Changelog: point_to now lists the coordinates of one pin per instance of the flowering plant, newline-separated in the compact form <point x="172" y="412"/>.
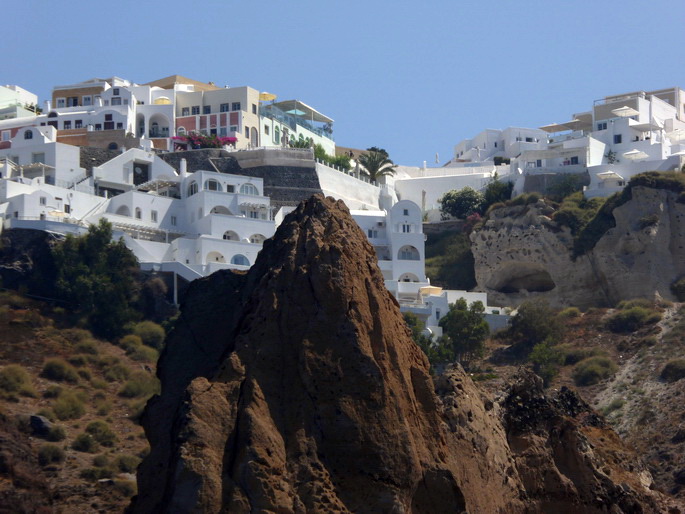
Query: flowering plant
<point x="195" y="140"/>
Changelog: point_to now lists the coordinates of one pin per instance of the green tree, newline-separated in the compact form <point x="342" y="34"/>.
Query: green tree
<point x="535" y="322"/>
<point x="496" y="191"/>
<point x="377" y="163"/>
<point x="547" y="360"/>
<point x="439" y="352"/>
<point x="301" y="142"/>
<point x="461" y="203"/>
<point x="467" y="329"/>
<point x="96" y="277"/>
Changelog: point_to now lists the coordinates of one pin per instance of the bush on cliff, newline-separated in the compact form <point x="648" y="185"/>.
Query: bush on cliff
<point x="593" y="370"/>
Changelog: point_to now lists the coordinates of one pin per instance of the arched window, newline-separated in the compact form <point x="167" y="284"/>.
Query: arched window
<point x="215" y="257"/>
<point x="112" y="146"/>
<point x="257" y="239"/>
<point x="52" y="114"/>
<point x="408" y="253"/>
<point x="139" y="213"/>
<point x="220" y="209"/>
<point x="213" y="185"/>
<point x="240" y="260"/>
<point x="181" y="131"/>
<point x="249" y="189"/>
<point x="277" y="135"/>
<point x="28" y="134"/>
<point x="192" y="188"/>
<point x="229" y="235"/>
<point x="123" y="211"/>
<point x="408" y="277"/>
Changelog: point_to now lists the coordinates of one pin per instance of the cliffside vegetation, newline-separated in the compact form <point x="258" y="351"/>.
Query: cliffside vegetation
<point x="449" y="261"/>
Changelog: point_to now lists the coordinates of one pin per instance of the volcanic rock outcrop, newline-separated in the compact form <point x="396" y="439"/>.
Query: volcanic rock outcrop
<point x="296" y="387"/>
<point x="520" y="252"/>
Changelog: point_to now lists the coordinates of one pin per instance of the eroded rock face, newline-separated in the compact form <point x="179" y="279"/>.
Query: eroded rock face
<point x="297" y="388"/>
<point x="521" y="253"/>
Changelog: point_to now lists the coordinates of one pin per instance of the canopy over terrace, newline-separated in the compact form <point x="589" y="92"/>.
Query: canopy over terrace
<point x="308" y="113"/>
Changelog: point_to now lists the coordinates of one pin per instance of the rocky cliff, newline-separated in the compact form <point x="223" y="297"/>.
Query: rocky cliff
<point x="520" y="252"/>
<point x="296" y="387"/>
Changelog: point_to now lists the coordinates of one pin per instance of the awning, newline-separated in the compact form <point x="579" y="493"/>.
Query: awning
<point x="574" y="124"/>
<point x="430" y="290"/>
<point x="635" y="155"/>
<point x="308" y="113"/>
<point x="625" y="111"/>
<point x="266" y="97"/>
<point x="609" y="175"/>
<point x="654" y="124"/>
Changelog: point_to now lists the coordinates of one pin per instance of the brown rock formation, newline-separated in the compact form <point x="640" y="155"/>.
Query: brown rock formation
<point x="297" y="388"/>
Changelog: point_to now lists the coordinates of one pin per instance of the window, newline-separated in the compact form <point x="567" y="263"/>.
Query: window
<point x="437" y="314"/>
<point x="254" y="108"/>
<point x="78" y="124"/>
<point x="235" y="106"/>
<point x="6" y="135"/>
<point x="108" y="117"/>
<point x="98" y="126"/>
<point x="229" y="235"/>
<point x="618" y="139"/>
<point x="153" y="216"/>
<point x="602" y="125"/>
<point x="529" y="140"/>
<point x="116" y="101"/>
<point x="266" y="129"/>
<point x="28" y="134"/>
<point x="43" y="200"/>
<point x="185" y="111"/>
<point x="230" y="189"/>
<point x="223" y="132"/>
<point x="233" y="128"/>
<point x="115" y="91"/>
<point x="574" y="160"/>
<point x="120" y="126"/>
<point x="67" y="209"/>
<point x="406" y="212"/>
<point x="173" y="221"/>
<point x="206" y="109"/>
<point x="212" y="185"/>
<point x="87" y="100"/>
<point x="495" y="144"/>
<point x="372" y="233"/>
<point x="38" y="157"/>
<point x="192" y="188"/>
<point x="72" y="101"/>
<point x="247" y="132"/>
<point x="223" y="108"/>
<point x="67" y="125"/>
<point x="240" y="260"/>
<point x="139" y="213"/>
<point x="408" y="253"/>
<point x="106" y="102"/>
<point x="257" y="239"/>
<point x="61" y="102"/>
<point x="195" y="109"/>
<point x="538" y="163"/>
<point x="406" y="228"/>
<point x="249" y="189"/>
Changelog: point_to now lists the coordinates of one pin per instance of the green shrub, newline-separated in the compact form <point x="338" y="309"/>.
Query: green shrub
<point x="593" y="370"/>
<point x="570" y="312"/>
<point x="68" y="405"/>
<point x="575" y="355"/>
<point x="52" y="391"/>
<point x="126" y="488"/>
<point x="89" y="346"/>
<point x="94" y="474"/>
<point x="50" y="454"/>
<point x="102" y="433"/>
<point x="141" y="384"/>
<point x="56" y="433"/>
<point x="615" y="404"/>
<point x="78" y="360"/>
<point x="145" y="354"/>
<point x="631" y="319"/>
<point x="674" y="370"/>
<point x="546" y="361"/>
<point x="98" y="384"/>
<point x="103" y="407"/>
<point x="85" y="374"/>
<point x="678" y="289"/>
<point x="127" y="463"/>
<point x="47" y="414"/>
<point x="150" y="333"/>
<point x="15" y="379"/>
<point x="85" y="443"/>
<point x="130" y="343"/>
<point x="101" y="461"/>
<point x="118" y="372"/>
<point x="59" y="370"/>
<point x="635" y="302"/>
<point x="535" y="322"/>
<point x="76" y="335"/>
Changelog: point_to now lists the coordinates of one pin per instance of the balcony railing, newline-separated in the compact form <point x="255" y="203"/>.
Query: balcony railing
<point x="163" y="132"/>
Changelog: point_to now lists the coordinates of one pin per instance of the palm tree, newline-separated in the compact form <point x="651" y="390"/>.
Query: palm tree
<point x="377" y="163"/>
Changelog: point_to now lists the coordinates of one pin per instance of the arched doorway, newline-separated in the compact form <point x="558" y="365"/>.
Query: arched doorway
<point x="215" y="257"/>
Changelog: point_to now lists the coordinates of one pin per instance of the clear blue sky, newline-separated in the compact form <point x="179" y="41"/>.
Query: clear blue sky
<point x="412" y="77"/>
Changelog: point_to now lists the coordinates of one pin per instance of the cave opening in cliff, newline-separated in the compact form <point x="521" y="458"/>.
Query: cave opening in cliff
<point x="515" y="277"/>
